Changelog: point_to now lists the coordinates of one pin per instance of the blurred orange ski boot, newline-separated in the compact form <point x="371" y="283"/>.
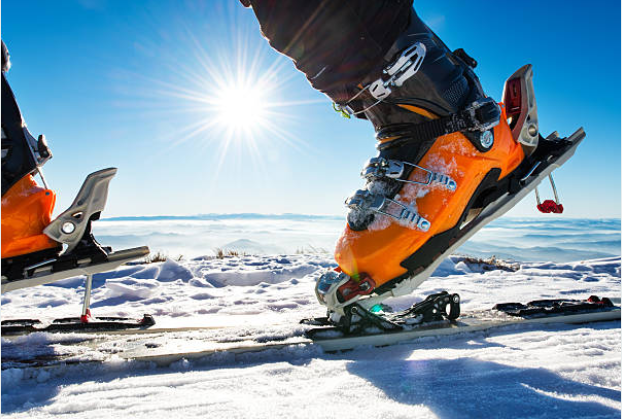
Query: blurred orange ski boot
<point x="36" y="249"/>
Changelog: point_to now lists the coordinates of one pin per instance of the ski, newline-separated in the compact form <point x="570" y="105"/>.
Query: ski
<point x="164" y="347"/>
<point x="144" y="326"/>
<point x="331" y="340"/>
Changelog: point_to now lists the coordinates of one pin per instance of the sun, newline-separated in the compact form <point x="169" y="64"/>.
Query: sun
<point x="230" y="97"/>
<point x="242" y="106"/>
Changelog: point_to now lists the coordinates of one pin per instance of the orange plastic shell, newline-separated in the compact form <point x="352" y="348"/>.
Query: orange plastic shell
<point x="380" y="250"/>
<point x="26" y="211"/>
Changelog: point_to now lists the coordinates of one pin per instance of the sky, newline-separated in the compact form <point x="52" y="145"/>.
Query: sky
<point x="159" y="89"/>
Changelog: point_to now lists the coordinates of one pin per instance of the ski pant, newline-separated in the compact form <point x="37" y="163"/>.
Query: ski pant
<point x="335" y="43"/>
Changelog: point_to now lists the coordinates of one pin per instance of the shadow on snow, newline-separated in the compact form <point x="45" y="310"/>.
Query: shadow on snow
<point x="464" y="387"/>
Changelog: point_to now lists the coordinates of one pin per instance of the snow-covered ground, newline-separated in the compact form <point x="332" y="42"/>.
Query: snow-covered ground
<point x="526" y="372"/>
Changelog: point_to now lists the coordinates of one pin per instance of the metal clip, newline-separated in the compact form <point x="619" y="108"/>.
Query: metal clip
<point x="485" y="114"/>
<point x="380" y="167"/>
<point x="365" y="200"/>
<point x="344" y="111"/>
<point x="406" y="66"/>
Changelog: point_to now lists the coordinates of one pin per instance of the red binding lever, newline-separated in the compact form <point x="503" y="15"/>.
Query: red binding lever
<point x="549" y="206"/>
<point x="365" y="285"/>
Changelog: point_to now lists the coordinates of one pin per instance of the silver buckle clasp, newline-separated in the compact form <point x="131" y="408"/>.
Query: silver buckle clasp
<point x="365" y="200"/>
<point x="406" y="66"/>
<point x="380" y="167"/>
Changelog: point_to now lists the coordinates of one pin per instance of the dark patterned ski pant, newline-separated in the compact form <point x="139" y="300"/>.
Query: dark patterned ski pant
<point x="334" y="42"/>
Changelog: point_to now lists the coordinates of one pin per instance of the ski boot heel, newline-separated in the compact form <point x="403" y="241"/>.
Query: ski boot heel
<point x="83" y="255"/>
<point x="26" y="211"/>
<point x="32" y="246"/>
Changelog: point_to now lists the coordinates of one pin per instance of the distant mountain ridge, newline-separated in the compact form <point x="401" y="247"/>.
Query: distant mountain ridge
<point x="249" y="215"/>
<point x="512" y="238"/>
<point x="293" y="216"/>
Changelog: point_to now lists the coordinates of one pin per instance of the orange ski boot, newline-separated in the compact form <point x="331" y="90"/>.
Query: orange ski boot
<point x="26" y="207"/>
<point x="448" y="163"/>
<point x="26" y="211"/>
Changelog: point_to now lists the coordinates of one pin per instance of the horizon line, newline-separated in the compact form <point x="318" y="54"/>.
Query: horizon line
<point x="300" y="216"/>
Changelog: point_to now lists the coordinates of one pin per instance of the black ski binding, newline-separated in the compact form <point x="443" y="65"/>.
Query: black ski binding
<point x="543" y="308"/>
<point x="75" y="324"/>
<point x="357" y="319"/>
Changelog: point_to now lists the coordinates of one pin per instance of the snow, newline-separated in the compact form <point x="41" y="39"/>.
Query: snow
<point x="528" y="371"/>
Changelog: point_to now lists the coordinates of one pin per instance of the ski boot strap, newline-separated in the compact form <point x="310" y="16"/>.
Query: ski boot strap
<point x="475" y="121"/>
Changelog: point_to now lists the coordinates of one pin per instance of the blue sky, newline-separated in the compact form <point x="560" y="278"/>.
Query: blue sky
<point x="138" y="85"/>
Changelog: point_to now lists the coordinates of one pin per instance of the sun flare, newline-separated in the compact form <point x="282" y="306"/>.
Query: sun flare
<point x="231" y="100"/>
<point x="243" y="107"/>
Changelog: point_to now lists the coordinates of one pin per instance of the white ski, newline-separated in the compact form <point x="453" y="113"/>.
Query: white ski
<point x="465" y="324"/>
<point x="171" y="346"/>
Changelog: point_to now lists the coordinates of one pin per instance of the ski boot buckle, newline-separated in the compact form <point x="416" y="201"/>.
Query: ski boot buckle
<point x="482" y="115"/>
<point x="379" y="167"/>
<point x="406" y="66"/>
<point x="366" y="201"/>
